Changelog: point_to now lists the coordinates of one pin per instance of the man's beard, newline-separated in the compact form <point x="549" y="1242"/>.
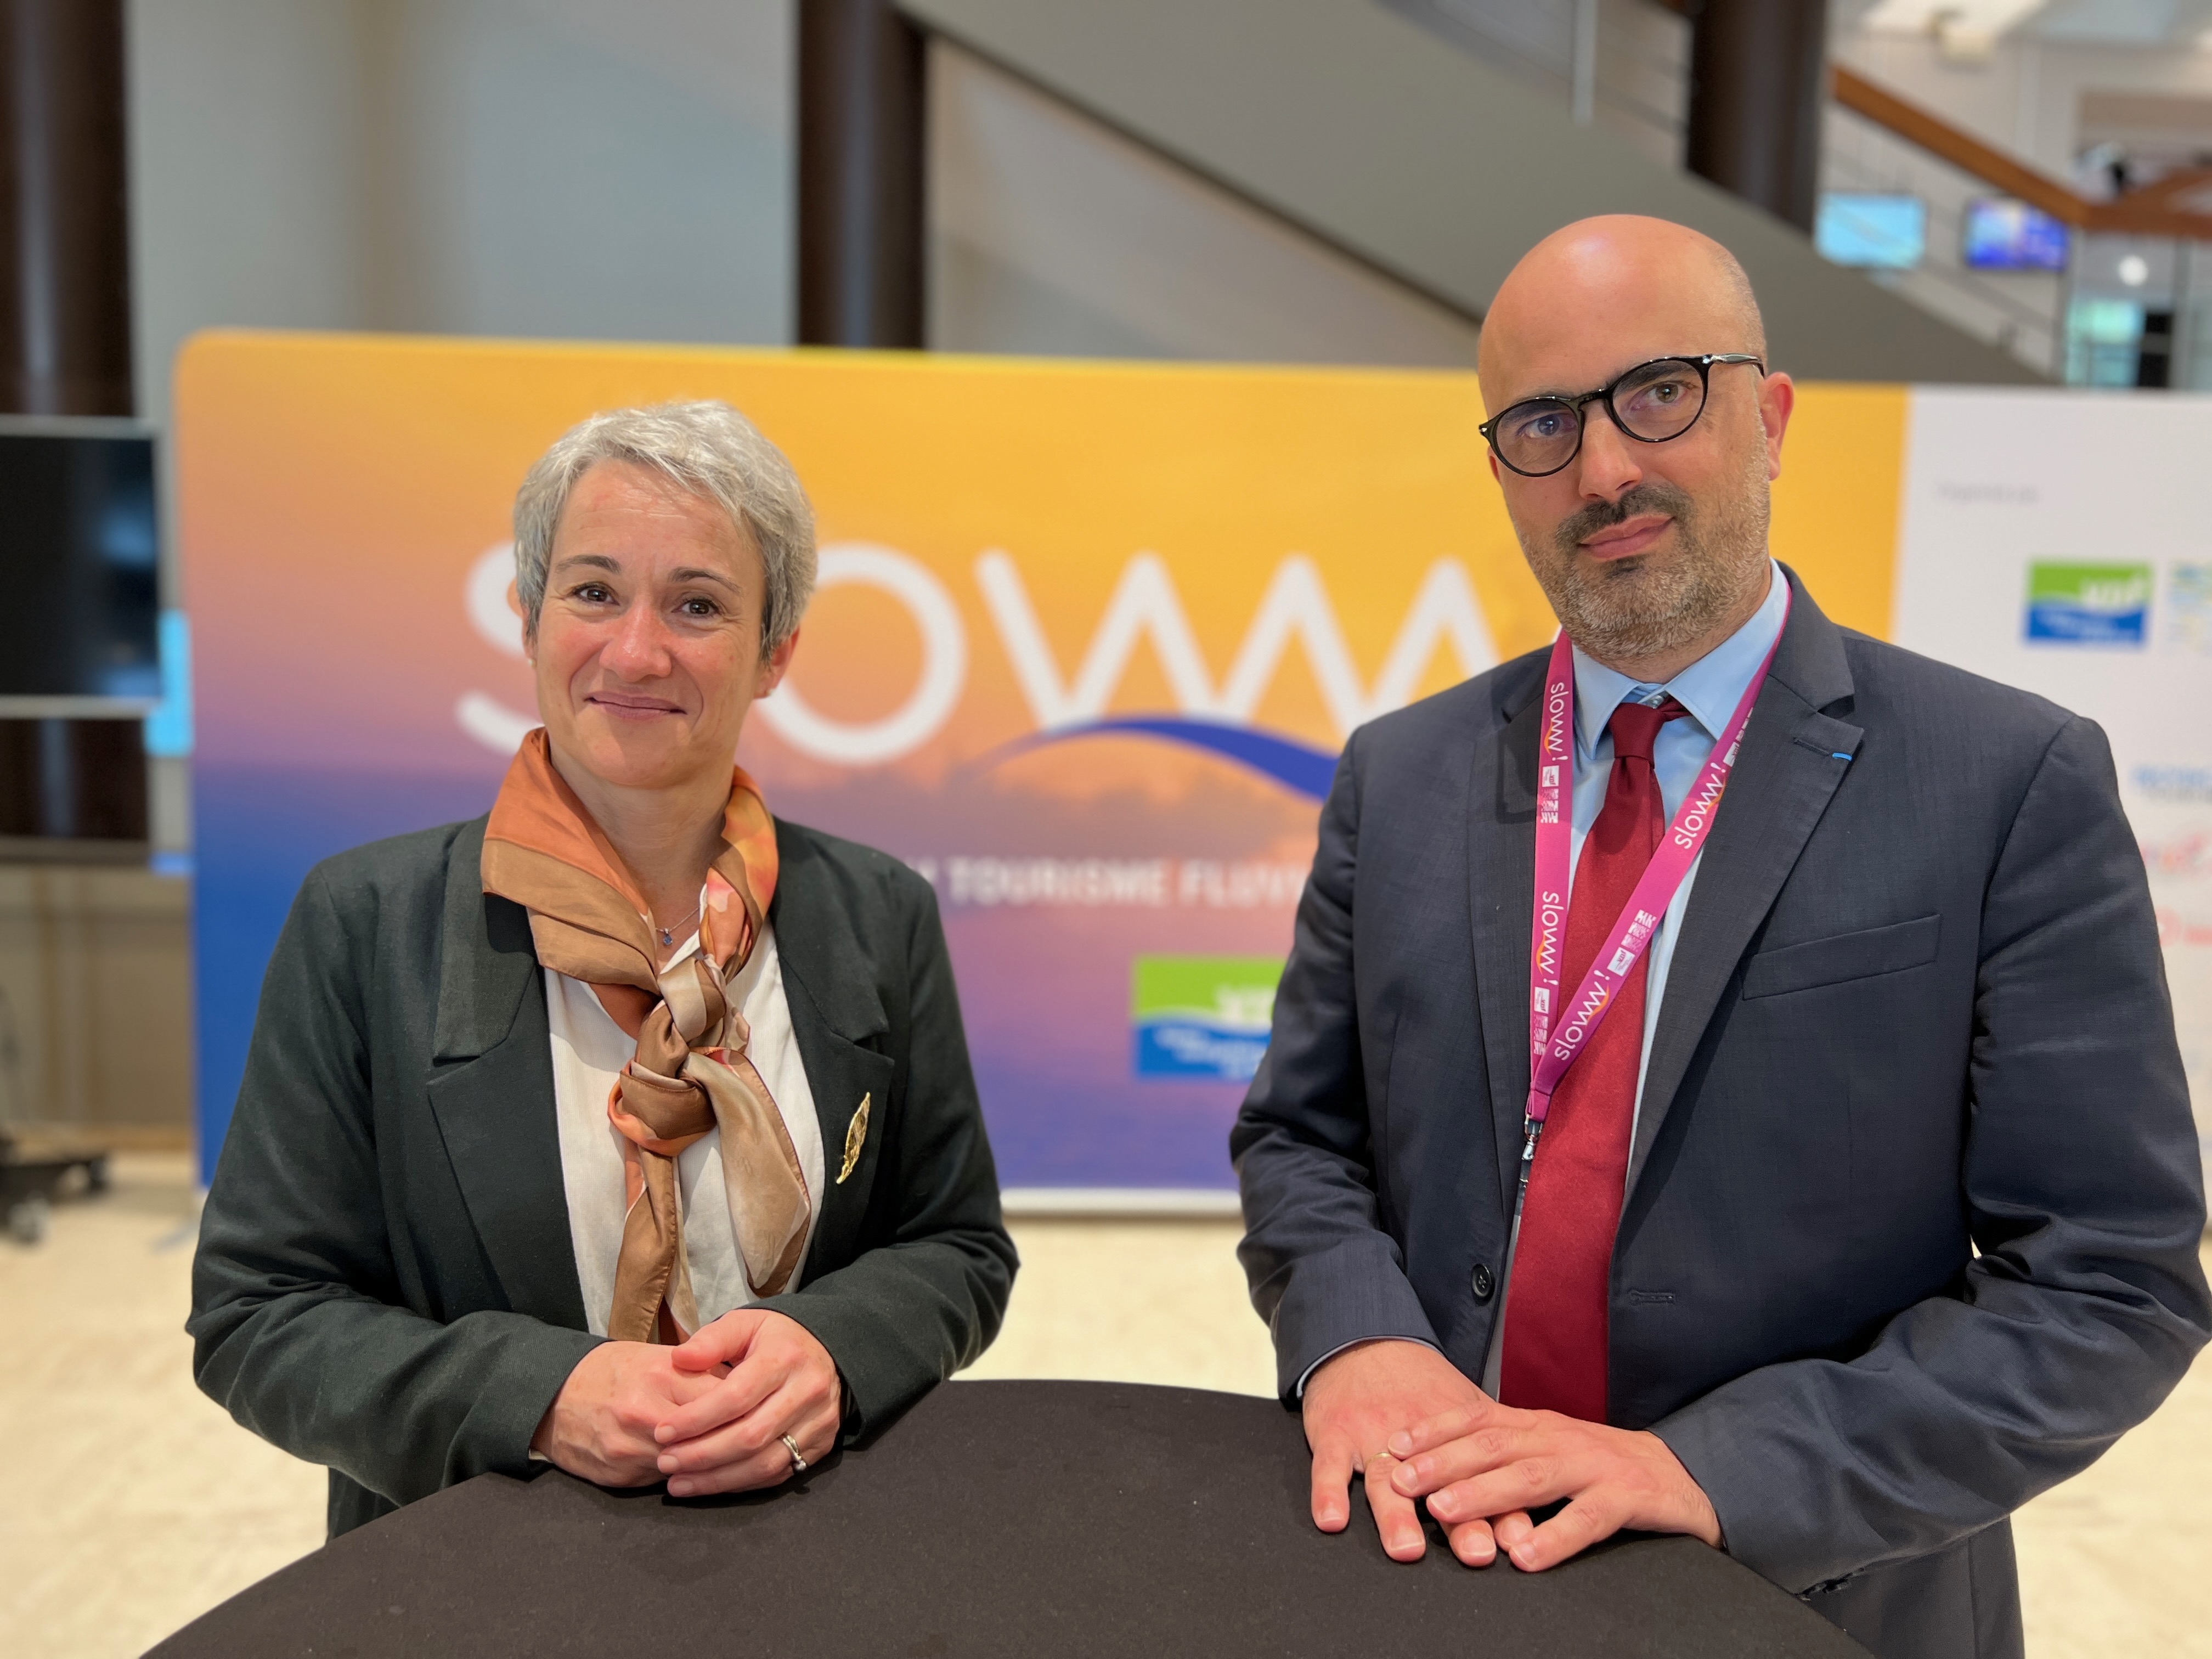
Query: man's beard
<point x="1639" y="607"/>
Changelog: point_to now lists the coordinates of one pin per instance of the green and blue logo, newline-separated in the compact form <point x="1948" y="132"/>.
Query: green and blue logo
<point x="2090" y="603"/>
<point x="1202" y="1017"/>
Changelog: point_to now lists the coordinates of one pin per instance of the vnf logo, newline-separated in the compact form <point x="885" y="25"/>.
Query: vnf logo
<point x="1144" y="606"/>
<point x="2088" y="604"/>
<point x="1202" y="1017"/>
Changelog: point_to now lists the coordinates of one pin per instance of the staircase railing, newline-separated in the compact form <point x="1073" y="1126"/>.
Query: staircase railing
<point x="1624" y="65"/>
<point x="2155" y="209"/>
<point x="1875" y="140"/>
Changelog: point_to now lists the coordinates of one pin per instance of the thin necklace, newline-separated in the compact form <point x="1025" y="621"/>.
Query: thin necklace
<point x="668" y="934"/>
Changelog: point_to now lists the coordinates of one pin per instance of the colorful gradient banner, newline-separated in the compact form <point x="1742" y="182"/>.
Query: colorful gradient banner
<point x="1088" y="641"/>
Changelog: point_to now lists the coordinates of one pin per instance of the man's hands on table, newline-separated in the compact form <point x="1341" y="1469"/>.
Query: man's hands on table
<point x="709" y="1415"/>
<point x="1404" y="1415"/>
<point x="1354" y="1403"/>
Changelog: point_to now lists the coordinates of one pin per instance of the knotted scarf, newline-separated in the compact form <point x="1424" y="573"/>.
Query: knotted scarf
<point x="691" y="1073"/>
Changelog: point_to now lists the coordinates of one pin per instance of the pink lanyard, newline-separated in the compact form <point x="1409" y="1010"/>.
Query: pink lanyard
<point x="1550" y="1052"/>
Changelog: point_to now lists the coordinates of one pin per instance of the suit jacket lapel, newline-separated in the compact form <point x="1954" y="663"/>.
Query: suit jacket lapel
<point x="838" y="1020"/>
<point x="1501" y="878"/>
<point x="491" y="1090"/>
<point x="1794" y="756"/>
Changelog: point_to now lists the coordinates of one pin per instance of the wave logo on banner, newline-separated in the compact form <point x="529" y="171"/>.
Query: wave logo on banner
<point x="1202" y="1017"/>
<point x="2106" y="605"/>
<point x="1144" y="607"/>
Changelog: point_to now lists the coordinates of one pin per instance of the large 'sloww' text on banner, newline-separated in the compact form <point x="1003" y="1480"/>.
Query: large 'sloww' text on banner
<point x="1088" y="641"/>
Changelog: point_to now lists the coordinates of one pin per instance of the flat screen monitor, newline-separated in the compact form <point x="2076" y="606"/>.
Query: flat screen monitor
<point x="77" y="551"/>
<point x="1870" y="231"/>
<point x="2002" y="235"/>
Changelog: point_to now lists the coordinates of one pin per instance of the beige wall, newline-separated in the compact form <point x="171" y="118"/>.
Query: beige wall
<point x="555" y="169"/>
<point x="95" y="998"/>
<point x="1051" y="234"/>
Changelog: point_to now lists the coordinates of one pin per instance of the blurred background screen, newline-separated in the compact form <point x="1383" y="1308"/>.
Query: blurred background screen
<point x="2006" y="235"/>
<point x="77" y="554"/>
<point x="1870" y="230"/>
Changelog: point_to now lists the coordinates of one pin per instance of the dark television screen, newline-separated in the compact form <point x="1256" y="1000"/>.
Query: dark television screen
<point x="77" y="554"/>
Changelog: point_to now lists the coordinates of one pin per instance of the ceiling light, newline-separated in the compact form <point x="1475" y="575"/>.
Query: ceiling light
<point x="1964" y="31"/>
<point x="2135" y="269"/>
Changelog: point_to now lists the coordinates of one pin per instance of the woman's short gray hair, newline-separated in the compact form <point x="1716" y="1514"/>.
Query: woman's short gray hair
<point x="706" y="448"/>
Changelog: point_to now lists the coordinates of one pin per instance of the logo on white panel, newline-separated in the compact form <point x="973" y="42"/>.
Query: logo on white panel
<point x="2088" y="604"/>
<point x="2188" y="608"/>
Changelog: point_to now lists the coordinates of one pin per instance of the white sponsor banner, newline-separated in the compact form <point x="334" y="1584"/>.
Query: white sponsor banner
<point x="2061" y="541"/>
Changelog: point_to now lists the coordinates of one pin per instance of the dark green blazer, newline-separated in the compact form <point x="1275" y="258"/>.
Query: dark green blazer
<point x="385" y="1282"/>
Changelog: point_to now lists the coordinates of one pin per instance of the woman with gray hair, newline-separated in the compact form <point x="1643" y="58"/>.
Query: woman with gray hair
<point x="627" y="1128"/>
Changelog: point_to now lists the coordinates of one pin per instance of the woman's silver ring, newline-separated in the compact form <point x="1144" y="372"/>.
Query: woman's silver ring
<point x="798" y="1463"/>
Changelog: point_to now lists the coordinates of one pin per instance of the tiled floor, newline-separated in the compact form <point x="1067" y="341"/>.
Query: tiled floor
<point x="128" y="1503"/>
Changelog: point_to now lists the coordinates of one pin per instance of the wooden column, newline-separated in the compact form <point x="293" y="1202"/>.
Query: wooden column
<point x="1757" y="88"/>
<point x="861" y="94"/>
<point x="65" y="349"/>
<point x="65" y="281"/>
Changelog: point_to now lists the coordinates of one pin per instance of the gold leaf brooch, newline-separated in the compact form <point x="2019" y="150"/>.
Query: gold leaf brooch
<point x="856" y="1136"/>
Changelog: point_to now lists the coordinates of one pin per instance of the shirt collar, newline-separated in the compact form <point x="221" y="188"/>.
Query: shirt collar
<point x="1709" y="688"/>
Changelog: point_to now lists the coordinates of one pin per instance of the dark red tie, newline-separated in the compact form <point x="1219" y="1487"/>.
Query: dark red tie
<point x="1555" y="1309"/>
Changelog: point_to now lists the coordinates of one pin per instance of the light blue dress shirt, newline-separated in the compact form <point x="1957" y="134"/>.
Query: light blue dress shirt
<point x="1709" y="689"/>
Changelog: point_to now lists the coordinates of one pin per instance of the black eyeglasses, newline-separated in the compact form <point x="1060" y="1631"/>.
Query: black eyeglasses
<point x="1651" y="403"/>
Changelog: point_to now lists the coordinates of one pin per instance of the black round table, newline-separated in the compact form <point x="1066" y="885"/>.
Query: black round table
<point x="995" y="1518"/>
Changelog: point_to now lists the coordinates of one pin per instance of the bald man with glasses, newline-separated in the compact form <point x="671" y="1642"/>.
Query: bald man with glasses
<point x="1723" y="1083"/>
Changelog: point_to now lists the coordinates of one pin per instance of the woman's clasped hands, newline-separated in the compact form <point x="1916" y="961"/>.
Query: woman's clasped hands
<point x="708" y="1416"/>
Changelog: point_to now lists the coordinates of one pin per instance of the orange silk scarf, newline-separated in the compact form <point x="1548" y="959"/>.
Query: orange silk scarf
<point x="691" y="1072"/>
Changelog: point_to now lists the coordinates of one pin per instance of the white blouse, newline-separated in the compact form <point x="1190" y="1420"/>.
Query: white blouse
<point x="589" y="1051"/>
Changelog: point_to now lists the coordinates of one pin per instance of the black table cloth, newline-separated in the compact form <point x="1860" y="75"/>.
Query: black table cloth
<point x="995" y="1518"/>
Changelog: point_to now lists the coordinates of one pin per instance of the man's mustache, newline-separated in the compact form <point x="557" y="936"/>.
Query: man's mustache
<point x="1651" y="496"/>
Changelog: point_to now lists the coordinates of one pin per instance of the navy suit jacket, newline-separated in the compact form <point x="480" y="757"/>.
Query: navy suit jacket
<point x="1915" y="1197"/>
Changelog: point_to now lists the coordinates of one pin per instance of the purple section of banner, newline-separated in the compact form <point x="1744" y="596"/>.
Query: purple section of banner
<point x="258" y="831"/>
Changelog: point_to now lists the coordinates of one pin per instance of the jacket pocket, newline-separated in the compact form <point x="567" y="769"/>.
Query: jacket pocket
<point x="1863" y="955"/>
